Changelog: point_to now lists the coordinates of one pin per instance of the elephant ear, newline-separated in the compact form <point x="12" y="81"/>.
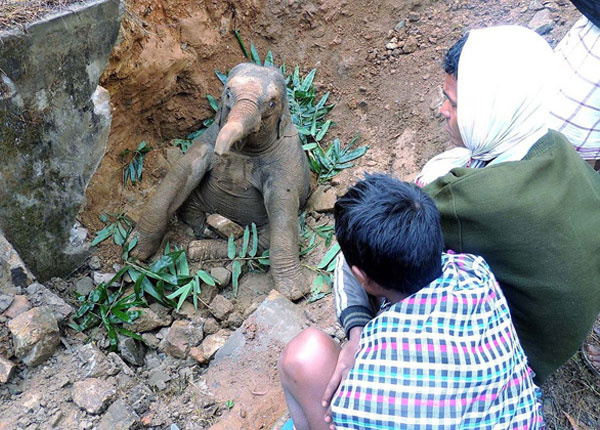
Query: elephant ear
<point x="285" y="120"/>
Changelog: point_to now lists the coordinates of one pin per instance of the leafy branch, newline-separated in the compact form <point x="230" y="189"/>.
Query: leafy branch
<point x="245" y="253"/>
<point x="133" y="170"/>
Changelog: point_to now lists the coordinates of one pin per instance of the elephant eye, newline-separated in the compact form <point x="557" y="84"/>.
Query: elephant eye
<point x="272" y="104"/>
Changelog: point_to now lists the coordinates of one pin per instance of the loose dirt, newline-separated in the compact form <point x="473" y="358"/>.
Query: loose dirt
<point x="158" y="78"/>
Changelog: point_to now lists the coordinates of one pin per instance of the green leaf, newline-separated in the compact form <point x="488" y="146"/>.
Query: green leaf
<point x="323" y="130"/>
<point x="222" y="77"/>
<point x="103" y="218"/>
<point x="308" y="80"/>
<point x="329" y="255"/>
<point x="254" y="54"/>
<point x="231" y="248"/>
<point x="130" y="334"/>
<point x="141" y="146"/>
<point x="254" y="248"/>
<point x="269" y="59"/>
<point x="206" y="278"/>
<point x="322" y="102"/>
<point x="245" y="241"/>
<point x="236" y="271"/>
<point x="239" y="39"/>
<point x="309" y="146"/>
<point x="182" y="265"/>
<point x="104" y="234"/>
<point x="213" y="102"/>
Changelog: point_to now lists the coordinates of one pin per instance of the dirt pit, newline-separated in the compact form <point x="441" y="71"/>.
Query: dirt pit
<point x="159" y="75"/>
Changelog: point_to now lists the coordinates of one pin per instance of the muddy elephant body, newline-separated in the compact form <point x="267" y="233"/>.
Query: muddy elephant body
<point x="248" y="166"/>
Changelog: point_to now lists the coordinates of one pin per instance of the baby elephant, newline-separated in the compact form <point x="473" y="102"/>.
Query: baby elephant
<point x="248" y="166"/>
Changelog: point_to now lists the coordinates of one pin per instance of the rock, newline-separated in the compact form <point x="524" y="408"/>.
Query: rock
<point x="223" y="226"/>
<point x="95" y="363"/>
<point x="163" y="314"/>
<point x="147" y="321"/>
<point x="7" y="369"/>
<point x="119" y="416"/>
<point x="390" y="46"/>
<point x="535" y="5"/>
<point x="542" y="22"/>
<point x="43" y="174"/>
<point x="276" y="321"/>
<point x="211" y="326"/>
<point x="198" y="354"/>
<point x="151" y="340"/>
<point x="208" y="249"/>
<point x="93" y="394"/>
<point x="84" y="286"/>
<point x="401" y="24"/>
<point x="131" y="350"/>
<point x="42" y="296"/>
<point x="410" y="46"/>
<point x="213" y="343"/>
<point x="188" y="311"/>
<point x="140" y="398"/>
<point x="322" y="199"/>
<point x="220" y="307"/>
<point x="31" y="401"/>
<point x="100" y="277"/>
<point x="13" y="272"/>
<point x="158" y="378"/>
<point x="120" y="364"/>
<point x="95" y="263"/>
<point x="182" y="336"/>
<point x="19" y="305"/>
<point x="5" y="301"/>
<point x="413" y="16"/>
<point x="221" y="275"/>
<point x="235" y="319"/>
<point x="35" y="335"/>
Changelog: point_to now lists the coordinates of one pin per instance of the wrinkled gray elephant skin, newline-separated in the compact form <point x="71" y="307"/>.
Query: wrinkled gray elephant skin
<point x="248" y="166"/>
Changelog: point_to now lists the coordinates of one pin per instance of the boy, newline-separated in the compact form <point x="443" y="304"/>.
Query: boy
<point x="443" y="352"/>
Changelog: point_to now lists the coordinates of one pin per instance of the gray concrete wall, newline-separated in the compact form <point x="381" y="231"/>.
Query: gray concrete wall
<point x="54" y="125"/>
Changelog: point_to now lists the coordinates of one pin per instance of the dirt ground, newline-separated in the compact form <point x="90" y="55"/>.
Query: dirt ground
<point x="163" y="67"/>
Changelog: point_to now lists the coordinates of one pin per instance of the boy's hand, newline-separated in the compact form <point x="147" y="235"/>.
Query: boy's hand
<point x="344" y="364"/>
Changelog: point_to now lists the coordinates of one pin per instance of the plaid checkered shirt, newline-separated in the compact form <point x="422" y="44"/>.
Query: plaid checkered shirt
<point x="576" y="109"/>
<point x="446" y="357"/>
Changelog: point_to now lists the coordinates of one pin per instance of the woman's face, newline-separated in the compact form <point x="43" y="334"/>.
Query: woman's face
<point x="448" y="110"/>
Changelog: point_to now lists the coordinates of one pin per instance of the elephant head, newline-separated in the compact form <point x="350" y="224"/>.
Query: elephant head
<point x="254" y="110"/>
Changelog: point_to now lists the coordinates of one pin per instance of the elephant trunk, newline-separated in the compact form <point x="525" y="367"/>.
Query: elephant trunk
<point x="243" y="119"/>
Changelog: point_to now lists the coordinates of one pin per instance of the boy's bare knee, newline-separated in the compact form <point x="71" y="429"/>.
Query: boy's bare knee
<point x="307" y="350"/>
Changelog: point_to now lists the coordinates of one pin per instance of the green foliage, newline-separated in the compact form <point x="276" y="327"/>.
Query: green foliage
<point x="246" y="254"/>
<point x="308" y="115"/>
<point x="229" y="404"/>
<point x="120" y="230"/>
<point x="325" y="268"/>
<point x="133" y="170"/>
<point x="165" y="280"/>
<point x="111" y="309"/>
<point x="329" y="163"/>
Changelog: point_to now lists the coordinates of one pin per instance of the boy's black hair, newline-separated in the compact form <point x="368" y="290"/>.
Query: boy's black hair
<point x="391" y="230"/>
<point x="453" y="56"/>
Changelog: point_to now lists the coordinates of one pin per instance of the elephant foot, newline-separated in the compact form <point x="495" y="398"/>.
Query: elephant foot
<point x="297" y="286"/>
<point x="147" y="244"/>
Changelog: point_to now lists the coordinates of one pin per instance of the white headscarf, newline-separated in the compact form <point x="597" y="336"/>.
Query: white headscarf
<point x="505" y="85"/>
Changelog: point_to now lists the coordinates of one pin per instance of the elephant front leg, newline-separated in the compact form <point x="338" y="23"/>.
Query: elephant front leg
<point x="181" y="180"/>
<point x="282" y="207"/>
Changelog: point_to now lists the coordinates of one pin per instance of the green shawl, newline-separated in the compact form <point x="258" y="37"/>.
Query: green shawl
<point x="537" y="224"/>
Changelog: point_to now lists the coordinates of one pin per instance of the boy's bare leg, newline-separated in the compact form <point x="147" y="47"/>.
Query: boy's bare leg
<point x="305" y="367"/>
